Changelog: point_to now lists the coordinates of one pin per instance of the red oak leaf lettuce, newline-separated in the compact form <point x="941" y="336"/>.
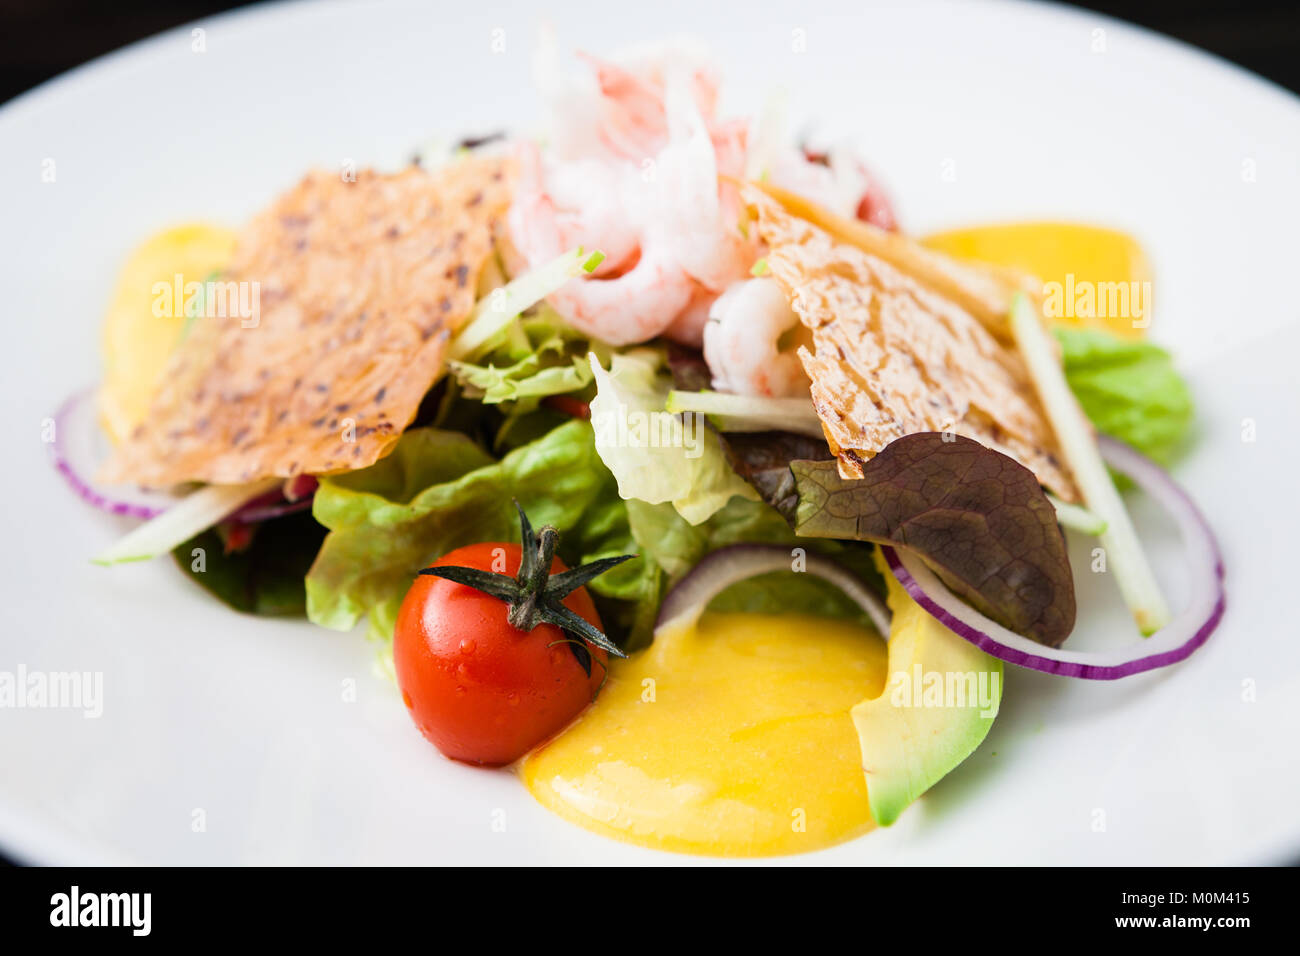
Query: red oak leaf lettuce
<point x="977" y="517"/>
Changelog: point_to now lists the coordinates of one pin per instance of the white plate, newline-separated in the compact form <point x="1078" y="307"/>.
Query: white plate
<point x="244" y="721"/>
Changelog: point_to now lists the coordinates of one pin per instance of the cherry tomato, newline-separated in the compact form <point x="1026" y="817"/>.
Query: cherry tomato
<point x="479" y="689"/>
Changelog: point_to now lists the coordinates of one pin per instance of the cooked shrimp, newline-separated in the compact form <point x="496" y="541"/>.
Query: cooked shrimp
<point x="639" y="289"/>
<point x="577" y="204"/>
<point x="616" y="111"/>
<point x="635" y="122"/>
<point x="688" y="327"/>
<point x="633" y="307"/>
<point x="710" y="248"/>
<point x="639" y="167"/>
<point x="742" y="342"/>
<point x="642" y="287"/>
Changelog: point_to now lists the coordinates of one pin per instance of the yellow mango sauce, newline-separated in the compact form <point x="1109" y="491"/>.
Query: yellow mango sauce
<point x="1077" y="258"/>
<point x="140" y="330"/>
<point x="730" y="738"/>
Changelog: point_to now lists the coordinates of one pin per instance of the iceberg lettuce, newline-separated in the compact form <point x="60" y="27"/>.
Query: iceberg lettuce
<point x="658" y="457"/>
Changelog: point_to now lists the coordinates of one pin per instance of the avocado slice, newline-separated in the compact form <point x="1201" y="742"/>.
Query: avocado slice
<point x="939" y="701"/>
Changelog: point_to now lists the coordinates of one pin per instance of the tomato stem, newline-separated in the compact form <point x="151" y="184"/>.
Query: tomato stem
<point x="532" y="579"/>
<point x="533" y="596"/>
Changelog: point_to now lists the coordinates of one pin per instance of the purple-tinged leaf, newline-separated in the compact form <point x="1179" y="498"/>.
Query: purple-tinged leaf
<point x="977" y="517"/>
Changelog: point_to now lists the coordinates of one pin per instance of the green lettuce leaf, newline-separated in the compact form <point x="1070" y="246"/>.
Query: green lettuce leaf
<point x="438" y="491"/>
<point x="536" y="356"/>
<point x="1128" y="389"/>
<point x="266" y="577"/>
<point x="656" y="456"/>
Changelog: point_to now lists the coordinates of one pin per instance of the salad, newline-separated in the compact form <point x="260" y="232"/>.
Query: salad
<point x="661" y="463"/>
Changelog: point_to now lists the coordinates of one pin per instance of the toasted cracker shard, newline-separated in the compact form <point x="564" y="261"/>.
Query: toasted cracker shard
<point x="360" y="285"/>
<point x="892" y="357"/>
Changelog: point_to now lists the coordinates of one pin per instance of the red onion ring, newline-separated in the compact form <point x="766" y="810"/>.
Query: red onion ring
<point x="1173" y="643"/>
<point x="687" y="599"/>
<point x="78" y="449"/>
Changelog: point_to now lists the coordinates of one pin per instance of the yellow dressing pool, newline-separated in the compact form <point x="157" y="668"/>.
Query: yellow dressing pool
<point x="731" y="738"/>
<point x="140" y="329"/>
<point x="1085" y="262"/>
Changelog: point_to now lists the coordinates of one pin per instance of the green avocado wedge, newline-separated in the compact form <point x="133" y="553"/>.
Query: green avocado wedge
<point x="939" y="701"/>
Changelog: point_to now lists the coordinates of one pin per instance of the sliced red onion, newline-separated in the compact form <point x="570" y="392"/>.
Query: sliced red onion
<point x="78" y="449"/>
<point x="254" y="512"/>
<point x="296" y="495"/>
<point x="1172" y="643"/>
<point x="727" y="566"/>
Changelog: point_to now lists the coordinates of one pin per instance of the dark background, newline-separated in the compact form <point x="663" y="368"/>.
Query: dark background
<point x="41" y="38"/>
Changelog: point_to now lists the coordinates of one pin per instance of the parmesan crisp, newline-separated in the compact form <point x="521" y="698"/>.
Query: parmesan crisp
<point x="892" y="357"/>
<point x="359" y="285"/>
